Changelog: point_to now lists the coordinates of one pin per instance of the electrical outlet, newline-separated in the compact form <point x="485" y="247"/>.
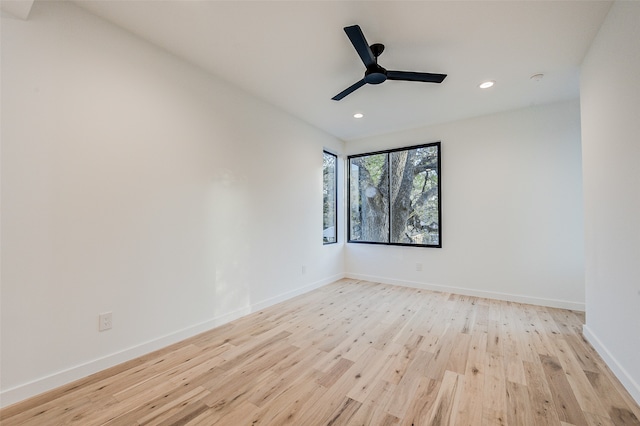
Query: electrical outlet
<point x="418" y="267"/>
<point x="304" y="269"/>
<point x="105" y="321"/>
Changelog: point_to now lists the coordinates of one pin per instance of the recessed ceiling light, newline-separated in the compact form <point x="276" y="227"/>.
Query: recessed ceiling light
<point x="486" y="84"/>
<point x="358" y="115"/>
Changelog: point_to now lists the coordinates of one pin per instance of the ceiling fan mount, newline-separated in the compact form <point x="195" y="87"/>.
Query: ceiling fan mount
<point x="377" y="49"/>
<point x="375" y="74"/>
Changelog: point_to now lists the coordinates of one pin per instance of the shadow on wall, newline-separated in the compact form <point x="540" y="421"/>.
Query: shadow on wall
<point x="230" y="231"/>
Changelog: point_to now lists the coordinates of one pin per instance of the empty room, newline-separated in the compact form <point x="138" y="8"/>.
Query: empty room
<point x="320" y="212"/>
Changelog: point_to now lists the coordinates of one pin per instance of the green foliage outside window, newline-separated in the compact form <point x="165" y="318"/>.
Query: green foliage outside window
<point x="329" y="207"/>
<point x="394" y="197"/>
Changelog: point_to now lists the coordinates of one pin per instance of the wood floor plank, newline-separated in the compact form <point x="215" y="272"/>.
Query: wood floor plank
<point x="494" y="338"/>
<point x="237" y="417"/>
<point x="614" y="403"/>
<point x="540" y="340"/>
<point x="358" y="353"/>
<point x="284" y="408"/>
<point x="494" y="402"/>
<point x="542" y="405"/>
<point x="457" y="359"/>
<point x="565" y="401"/>
<point x="402" y="395"/>
<point x="321" y="410"/>
<point x="470" y="405"/>
<point x="373" y="414"/>
<point x="595" y="420"/>
<point x="443" y="407"/>
<point x="344" y="413"/>
<point x="401" y="358"/>
<point x="371" y="375"/>
<point x="147" y="407"/>
<point x="178" y="408"/>
<point x="519" y="409"/>
<point x="579" y="382"/>
<point x="335" y="373"/>
<point x="418" y="411"/>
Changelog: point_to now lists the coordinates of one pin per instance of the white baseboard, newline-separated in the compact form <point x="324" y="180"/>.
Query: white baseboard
<point x="553" y="303"/>
<point x="63" y="377"/>
<point x="297" y="292"/>
<point x="620" y="372"/>
<point x="60" y="378"/>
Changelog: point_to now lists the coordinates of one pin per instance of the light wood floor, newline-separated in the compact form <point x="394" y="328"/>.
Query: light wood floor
<point x="358" y="353"/>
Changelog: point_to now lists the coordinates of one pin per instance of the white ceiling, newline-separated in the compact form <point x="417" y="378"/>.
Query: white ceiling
<point x="295" y="54"/>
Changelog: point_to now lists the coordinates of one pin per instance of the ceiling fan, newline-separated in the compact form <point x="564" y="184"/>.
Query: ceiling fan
<point x="375" y="74"/>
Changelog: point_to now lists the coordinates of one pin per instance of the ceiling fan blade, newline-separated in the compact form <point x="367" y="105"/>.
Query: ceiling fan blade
<point x="360" y="44"/>
<point x="349" y="90"/>
<point x="415" y="76"/>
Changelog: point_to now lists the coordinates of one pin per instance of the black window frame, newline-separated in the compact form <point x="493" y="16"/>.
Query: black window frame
<point x="335" y="196"/>
<point x="437" y="144"/>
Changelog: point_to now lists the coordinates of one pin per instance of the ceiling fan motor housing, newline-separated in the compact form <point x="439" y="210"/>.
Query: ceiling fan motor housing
<point x="375" y="75"/>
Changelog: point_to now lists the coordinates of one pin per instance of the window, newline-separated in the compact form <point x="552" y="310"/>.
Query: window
<point x="394" y="197"/>
<point x="329" y="196"/>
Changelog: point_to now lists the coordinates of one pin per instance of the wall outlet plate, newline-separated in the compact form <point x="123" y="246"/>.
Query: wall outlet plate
<point x="105" y="321"/>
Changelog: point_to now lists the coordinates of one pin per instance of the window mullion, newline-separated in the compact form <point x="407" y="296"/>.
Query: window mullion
<point x="389" y="197"/>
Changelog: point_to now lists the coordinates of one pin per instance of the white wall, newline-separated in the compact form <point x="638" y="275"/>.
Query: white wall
<point x="512" y="222"/>
<point x="610" y="107"/>
<point x="135" y="183"/>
